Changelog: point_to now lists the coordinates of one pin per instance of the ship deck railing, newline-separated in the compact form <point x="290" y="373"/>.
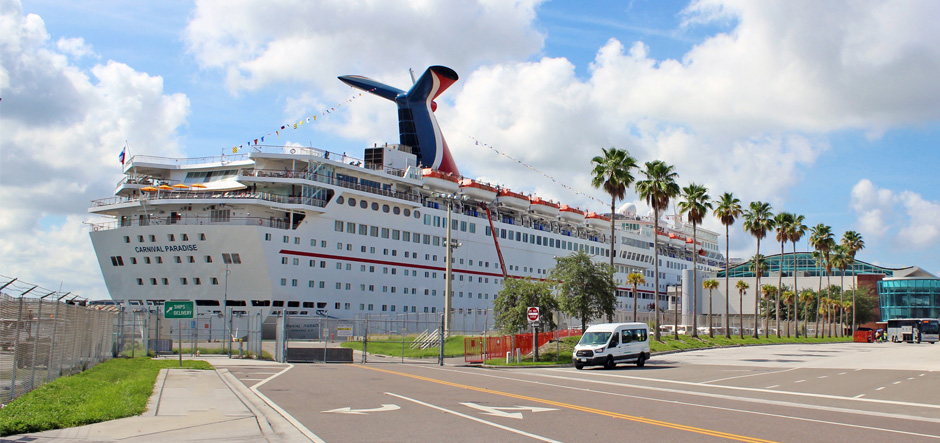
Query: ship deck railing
<point x="330" y="179"/>
<point x="187" y="220"/>
<point x="210" y="195"/>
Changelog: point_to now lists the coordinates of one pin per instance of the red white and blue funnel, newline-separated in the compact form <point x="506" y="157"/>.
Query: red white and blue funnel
<point x="417" y="126"/>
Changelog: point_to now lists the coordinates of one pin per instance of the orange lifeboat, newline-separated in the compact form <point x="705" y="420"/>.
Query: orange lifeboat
<point x="598" y="221"/>
<point x="543" y="207"/>
<point x="511" y="199"/>
<point x="440" y="181"/>
<point x="569" y="214"/>
<point x="477" y="190"/>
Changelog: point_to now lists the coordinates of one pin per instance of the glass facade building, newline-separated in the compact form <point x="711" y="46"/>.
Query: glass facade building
<point x="805" y="266"/>
<point x="909" y="298"/>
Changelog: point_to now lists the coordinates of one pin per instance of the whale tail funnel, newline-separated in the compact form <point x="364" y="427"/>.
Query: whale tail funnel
<point x="417" y="126"/>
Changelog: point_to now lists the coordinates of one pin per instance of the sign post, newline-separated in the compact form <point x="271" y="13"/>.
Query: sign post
<point x="533" y="315"/>
<point x="179" y="310"/>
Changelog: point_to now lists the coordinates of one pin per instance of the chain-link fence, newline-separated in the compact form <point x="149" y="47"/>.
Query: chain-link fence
<point x="42" y="339"/>
<point x="144" y="330"/>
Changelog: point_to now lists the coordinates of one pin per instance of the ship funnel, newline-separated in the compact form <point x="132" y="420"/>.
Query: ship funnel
<point x="417" y="126"/>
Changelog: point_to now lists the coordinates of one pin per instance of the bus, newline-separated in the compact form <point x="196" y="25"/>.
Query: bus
<point x="914" y="330"/>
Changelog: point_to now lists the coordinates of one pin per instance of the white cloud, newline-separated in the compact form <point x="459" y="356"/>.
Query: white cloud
<point x="259" y="43"/>
<point x="62" y="131"/>
<point x="76" y="47"/>
<point x="906" y="218"/>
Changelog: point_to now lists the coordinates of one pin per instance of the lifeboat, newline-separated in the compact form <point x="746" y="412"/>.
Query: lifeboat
<point x="676" y="239"/>
<point x="477" y="190"/>
<point x="543" y="207"/>
<point x="440" y="181"/>
<point x="597" y="221"/>
<point x="513" y="200"/>
<point x="569" y="214"/>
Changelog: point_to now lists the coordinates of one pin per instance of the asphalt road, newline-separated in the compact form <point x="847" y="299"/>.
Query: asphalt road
<point x="841" y="392"/>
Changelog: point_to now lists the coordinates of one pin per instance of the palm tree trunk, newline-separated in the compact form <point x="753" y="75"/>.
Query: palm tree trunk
<point x="727" y="287"/>
<point x="711" y="334"/>
<point x="757" y="291"/>
<point x="634" y="301"/>
<point x="779" y="290"/>
<point x="796" y="293"/>
<point x="854" y="290"/>
<point x="694" y="286"/>
<point x="656" y="270"/>
<point x="741" y="312"/>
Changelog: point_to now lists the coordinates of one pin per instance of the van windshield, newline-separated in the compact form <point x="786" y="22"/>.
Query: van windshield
<point x="594" y="338"/>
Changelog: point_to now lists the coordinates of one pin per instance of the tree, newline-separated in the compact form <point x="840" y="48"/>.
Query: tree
<point x="788" y="299"/>
<point x="514" y="299"/>
<point x="635" y="278"/>
<point x="612" y="172"/>
<point x="658" y="187"/>
<point x="758" y="220"/>
<point x="710" y="285"/>
<point x="784" y="222"/>
<point x="866" y="305"/>
<point x="585" y="288"/>
<point x="742" y="288"/>
<point x="768" y="291"/>
<point x="727" y="210"/>
<point x="840" y="257"/>
<point x="820" y="239"/>
<point x="796" y="232"/>
<point x="853" y="241"/>
<point x="695" y="205"/>
<point x="807" y="296"/>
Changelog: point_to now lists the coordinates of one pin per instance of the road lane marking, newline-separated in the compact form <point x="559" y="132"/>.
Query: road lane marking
<point x="799" y="381"/>
<point x="859" y="396"/>
<point x="842" y="373"/>
<point x="290" y="418"/>
<point x="633" y="418"/>
<point x="878" y="389"/>
<point x="897" y="382"/>
<point x="721" y="408"/>
<point x="771" y="387"/>
<point x="476" y="419"/>
<point x="350" y="410"/>
<point x="749" y="375"/>
<point x="741" y="388"/>
<point x="823" y="376"/>
<point x="503" y="411"/>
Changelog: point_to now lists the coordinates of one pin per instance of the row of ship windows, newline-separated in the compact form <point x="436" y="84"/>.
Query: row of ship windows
<point x="351" y="201"/>
<point x="310" y="305"/>
<point x="169" y="237"/>
<point x="118" y="260"/>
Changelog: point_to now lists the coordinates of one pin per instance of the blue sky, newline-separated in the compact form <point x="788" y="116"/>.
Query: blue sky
<point x="768" y="100"/>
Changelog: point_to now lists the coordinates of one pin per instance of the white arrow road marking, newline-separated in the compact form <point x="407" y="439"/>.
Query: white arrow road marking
<point x="500" y="412"/>
<point x="348" y="410"/>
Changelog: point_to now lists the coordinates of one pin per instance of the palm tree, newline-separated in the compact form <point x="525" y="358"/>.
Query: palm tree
<point x="742" y="288"/>
<point x="659" y="186"/>
<point x="840" y="259"/>
<point x="796" y="232"/>
<point x="759" y="267"/>
<point x="710" y="285"/>
<point x="727" y="210"/>
<point x="784" y="222"/>
<point x="612" y="172"/>
<point x="853" y="241"/>
<point x="768" y="290"/>
<point x="825" y="306"/>
<point x="635" y="278"/>
<point x="758" y="220"/>
<point x="696" y="205"/>
<point x="788" y="299"/>
<point x="806" y="298"/>
<point x="820" y="239"/>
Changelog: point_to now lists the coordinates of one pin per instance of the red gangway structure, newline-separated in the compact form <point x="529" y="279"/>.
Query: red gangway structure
<point x="479" y="349"/>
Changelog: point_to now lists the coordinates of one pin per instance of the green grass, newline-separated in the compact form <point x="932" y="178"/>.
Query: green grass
<point x="114" y="389"/>
<point x="668" y="343"/>
<point x="265" y="355"/>
<point x="453" y="347"/>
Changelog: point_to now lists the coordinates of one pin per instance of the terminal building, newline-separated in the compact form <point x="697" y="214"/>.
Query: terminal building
<point x="907" y="292"/>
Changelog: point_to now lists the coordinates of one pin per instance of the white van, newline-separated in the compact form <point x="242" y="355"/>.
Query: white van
<point x="611" y="343"/>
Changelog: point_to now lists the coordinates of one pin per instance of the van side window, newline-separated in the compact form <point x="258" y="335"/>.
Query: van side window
<point x="614" y="340"/>
<point x="627" y="335"/>
<point x="640" y="334"/>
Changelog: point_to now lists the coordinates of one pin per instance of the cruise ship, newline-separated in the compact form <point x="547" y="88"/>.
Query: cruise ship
<point x="306" y="232"/>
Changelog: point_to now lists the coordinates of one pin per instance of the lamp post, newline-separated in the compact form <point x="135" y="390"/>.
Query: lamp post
<point x="227" y="259"/>
<point x="449" y="256"/>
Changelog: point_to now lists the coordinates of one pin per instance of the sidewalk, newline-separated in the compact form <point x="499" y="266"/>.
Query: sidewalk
<point x="189" y="405"/>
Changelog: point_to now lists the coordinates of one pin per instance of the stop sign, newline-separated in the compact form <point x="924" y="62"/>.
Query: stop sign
<point x="533" y="313"/>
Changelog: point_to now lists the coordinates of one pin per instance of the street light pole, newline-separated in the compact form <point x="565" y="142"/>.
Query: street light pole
<point x="224" y="311"/>
<point x="448" y="284"/>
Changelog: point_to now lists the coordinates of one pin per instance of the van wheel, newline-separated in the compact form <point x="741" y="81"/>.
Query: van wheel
<point x="609" y="363"/>
<point x="578" y="366"/>
<point x="641" y="361"/>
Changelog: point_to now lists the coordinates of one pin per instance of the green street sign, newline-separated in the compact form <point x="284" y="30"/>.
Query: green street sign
<point x="178" y="309"/>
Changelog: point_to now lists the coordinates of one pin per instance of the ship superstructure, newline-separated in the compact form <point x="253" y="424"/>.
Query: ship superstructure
<point x="309" y="232"/>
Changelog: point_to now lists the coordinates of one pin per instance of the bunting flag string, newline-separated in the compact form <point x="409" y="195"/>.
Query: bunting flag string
<point x="296" y="125"/>
<point x="534" y="169"/>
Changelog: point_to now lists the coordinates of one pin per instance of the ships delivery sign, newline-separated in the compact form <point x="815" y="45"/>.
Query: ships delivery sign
<point x="178" y="309"/>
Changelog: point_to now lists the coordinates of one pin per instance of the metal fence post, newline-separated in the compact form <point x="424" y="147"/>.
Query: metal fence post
<point x="16" y="350"/>
<point x="440" y="357"/>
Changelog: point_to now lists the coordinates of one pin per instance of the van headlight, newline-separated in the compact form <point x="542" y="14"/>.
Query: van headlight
<point x="599" y="350"/>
